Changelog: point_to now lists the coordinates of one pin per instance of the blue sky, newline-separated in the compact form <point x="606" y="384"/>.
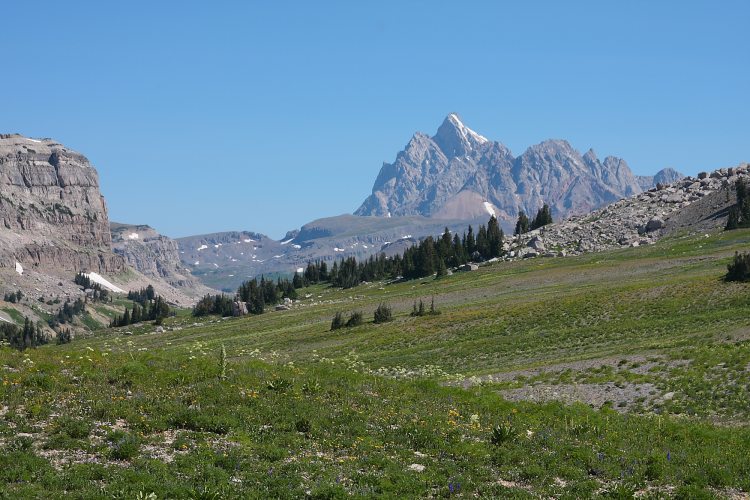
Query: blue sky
<point x="210" y="116"/>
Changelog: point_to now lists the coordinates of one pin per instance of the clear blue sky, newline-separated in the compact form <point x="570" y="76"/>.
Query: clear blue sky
<point x="208" y="116"/>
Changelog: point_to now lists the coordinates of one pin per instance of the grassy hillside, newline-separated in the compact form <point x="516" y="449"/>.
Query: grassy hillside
<point x="462" y="403"/>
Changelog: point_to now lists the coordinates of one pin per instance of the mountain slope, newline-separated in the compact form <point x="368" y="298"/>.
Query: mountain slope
<point x="154" y="255"/>
<point x="460" y="173"/>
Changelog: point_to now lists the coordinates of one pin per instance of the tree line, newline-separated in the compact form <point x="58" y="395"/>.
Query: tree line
<point x="144" y="309"/>
<point x="31" y="335"/>
<point x="542" y="218"/>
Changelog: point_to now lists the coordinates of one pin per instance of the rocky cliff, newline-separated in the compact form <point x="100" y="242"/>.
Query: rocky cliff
<point x="460" y="174"/>
<point x="52" y="215"/>
<point x="155" y="256"/>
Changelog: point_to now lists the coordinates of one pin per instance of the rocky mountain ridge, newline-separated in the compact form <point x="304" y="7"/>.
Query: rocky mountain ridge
<point x="460" y="174"/>
<point x="694" y="204"/>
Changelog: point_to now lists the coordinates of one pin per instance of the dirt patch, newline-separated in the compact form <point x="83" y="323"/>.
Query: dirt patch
<point x="596" y="395"/>
<point x="645" y="363"/>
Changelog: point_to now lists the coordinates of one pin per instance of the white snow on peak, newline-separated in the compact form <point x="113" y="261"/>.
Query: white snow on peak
<point x="133" y="236"/>
<point x="202" y="247"/>
<point x="248" y="240"/>
<point x="97" y="278"/>
<point x="490" y="210"/>
<point x="32" y="140"/>
<point x="406" y="237"/>
<point x="287" y="241"/>
<point x="19" y="268"/>
<point x="465" y="131"/>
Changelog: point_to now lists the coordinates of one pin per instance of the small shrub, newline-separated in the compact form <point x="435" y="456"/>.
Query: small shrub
<point x="124" y="445"/>
<point x="502" y="433"/>
<point x="311" y="386"/>
<point x="337" y="322"/>
<point x="355" y="319"/>
<point x="279" y="384"/>
<point x="303" y="425"/>
<point x="73" y="428"/>
<point x="739" y="268"/>
<point x="383" y="314"/>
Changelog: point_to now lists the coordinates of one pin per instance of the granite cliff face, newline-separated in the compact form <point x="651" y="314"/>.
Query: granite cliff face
<point x="155" y="256"/>
<point x="52" y="215"/>
<point x="459" y="174"/>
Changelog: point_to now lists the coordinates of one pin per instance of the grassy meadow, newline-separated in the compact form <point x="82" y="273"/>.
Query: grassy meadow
<point x="613" y="374"/>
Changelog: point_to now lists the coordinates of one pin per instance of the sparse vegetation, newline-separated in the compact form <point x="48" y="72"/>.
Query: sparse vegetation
<point x="297" y="411"/>
<point x="383" y="314"/>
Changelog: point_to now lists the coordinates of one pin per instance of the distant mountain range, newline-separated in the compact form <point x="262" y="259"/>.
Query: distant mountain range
<point x="460" y="174"/>
<point x="55" y="221"/>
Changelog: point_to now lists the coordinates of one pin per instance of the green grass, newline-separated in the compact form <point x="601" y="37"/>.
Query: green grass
<point x="396" y="409"/>
<point x="15" y="315"/>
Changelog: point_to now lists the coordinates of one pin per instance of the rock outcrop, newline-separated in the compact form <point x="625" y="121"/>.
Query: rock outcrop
<point x="155" y="256"/>
<point x="691" y="204"/>
<point x="460" y="174"/>
<point x="52" y="214"/>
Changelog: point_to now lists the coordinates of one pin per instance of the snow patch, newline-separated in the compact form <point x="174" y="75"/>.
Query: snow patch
<point x="202" y="247"/>
<point x="388" y="215"/>
<point x="19" y="268"/>
<point x="216" y="265"/>
<point x="337" y="249"/>
<point x="300" y="269"/>
<point x="405" y="237"/>
<point x="488" y="207"/>
<point x="465" y="131"/>
<point x="287" y="241"/>
<point x="196" y="263"/>
<point x="217" y="246"/>
<point x="248" y="240"/>
<point x="133" y="236"/>
<point x="297" y="247"/>
<point x="97" y="278"/>
<point x="33" y="140"/>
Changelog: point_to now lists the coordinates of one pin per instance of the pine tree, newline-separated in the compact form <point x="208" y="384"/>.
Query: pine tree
<point x="522" y="225"/>
<point x="494" y="238"/>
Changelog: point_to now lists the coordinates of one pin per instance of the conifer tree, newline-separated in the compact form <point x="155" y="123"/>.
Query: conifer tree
<point x="522" y="225"/>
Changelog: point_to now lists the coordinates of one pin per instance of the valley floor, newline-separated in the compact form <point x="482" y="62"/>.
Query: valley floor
<point x="611" y="374"/>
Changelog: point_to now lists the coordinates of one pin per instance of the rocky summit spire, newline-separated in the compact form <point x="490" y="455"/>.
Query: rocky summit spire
<point x="456" y="139"/>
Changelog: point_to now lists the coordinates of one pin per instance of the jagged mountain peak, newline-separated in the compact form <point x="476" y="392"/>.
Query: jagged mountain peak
<point x="457" y="170"/>
<point x="456" y="139"/>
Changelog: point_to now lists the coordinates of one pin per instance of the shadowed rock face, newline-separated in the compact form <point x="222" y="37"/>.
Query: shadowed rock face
<point x="52" y="214"/>
<point x="462" y="173"/>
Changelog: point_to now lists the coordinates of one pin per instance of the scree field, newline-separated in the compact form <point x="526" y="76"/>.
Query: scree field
<point x="612" y="374"/>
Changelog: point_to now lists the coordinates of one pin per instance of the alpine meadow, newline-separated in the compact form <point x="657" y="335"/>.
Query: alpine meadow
<point x="521" y="319"/>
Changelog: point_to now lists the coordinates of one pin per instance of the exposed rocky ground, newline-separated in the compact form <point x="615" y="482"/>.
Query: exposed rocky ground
<point x="692" y="204"/>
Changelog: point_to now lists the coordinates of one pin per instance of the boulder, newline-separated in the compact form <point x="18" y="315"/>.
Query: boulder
<point x="537" y="244"/>
<point x="654" y="224"/>
<point x="239" y="308"/>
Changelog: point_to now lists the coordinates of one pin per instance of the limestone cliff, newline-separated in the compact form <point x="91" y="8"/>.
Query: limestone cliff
<point x="52" y="214"/>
